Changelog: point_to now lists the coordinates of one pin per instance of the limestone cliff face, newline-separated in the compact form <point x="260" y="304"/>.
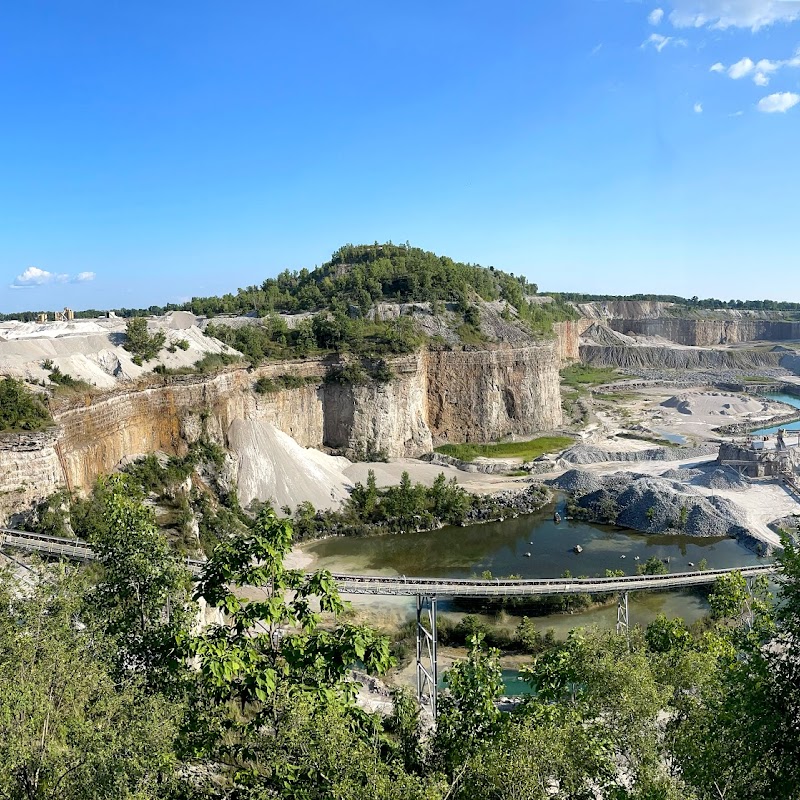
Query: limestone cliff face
<point x="568" y="336"/>
<point x="96" y="436"/>
<point x="381" y="417"/>
<point x="709" y="332"/>
<point x="477" y="396"/>
<point x="29" y="470"/>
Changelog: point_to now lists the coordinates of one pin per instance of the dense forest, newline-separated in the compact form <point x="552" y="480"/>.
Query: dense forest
<point x="109" y="690"/>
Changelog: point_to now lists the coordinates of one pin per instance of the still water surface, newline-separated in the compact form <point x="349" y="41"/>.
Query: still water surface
<point x="792" y="426"/>
<point x="500" y="548"/>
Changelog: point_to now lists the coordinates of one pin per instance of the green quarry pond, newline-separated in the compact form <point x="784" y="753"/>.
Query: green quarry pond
<point x="500" y="548"/>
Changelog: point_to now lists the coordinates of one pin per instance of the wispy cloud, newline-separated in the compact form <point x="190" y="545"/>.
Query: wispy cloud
<point x="596" y="49"/>
<point x="659" y="42"/>
<point x="722" y="14"/>
<point x="655" y="16"/>
<point x="760" y="71"/>
<point x="698" y="108"/>
<point x="33" y="277"/>
<point x="778" y="103"/>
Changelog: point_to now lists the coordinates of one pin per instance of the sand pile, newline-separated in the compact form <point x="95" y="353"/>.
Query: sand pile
<point x="272" y="466"/>
<point x="715" y="404"/>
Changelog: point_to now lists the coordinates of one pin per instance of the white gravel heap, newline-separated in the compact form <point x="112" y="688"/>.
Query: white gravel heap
<point x="273" y="467"/>
<point x="92" y="351"/>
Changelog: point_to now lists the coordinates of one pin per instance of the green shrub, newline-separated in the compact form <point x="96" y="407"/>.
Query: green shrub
<point x="21" y="409"/>
<point x="142" y="344"/>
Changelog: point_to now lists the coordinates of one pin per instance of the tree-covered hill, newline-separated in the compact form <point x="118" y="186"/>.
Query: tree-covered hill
<point x="362" y="275"/>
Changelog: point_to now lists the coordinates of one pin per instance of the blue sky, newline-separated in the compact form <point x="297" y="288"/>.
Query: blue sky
<point x="155" y="151"/>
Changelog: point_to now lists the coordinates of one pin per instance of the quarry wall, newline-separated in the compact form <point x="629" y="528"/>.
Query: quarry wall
<point x="676" y="358"/>
<point x="708" y="332"/>
<point x="29" y="470"/>
<point x="477" y="395"/>
<point x="484" y="395"/>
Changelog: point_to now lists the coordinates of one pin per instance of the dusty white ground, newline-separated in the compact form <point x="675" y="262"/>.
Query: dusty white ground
<point x="91" y="350"/>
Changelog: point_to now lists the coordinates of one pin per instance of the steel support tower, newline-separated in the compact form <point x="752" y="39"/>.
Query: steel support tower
<point x="427" y="670"/>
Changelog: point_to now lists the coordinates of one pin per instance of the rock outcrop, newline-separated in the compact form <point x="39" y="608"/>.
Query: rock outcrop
<point x="29" y="470"/>
<point x="478" y="395"/>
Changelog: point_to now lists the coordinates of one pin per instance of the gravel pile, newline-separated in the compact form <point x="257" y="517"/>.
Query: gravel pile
<point x="721" y="478"/>
<point x="586" y="454"/>
<point x="683" y="475"/>
<point x="577" y="482"/>
<point x="655" y="505"/>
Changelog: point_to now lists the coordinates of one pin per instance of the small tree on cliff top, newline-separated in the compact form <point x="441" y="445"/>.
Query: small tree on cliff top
<point x="143" y="345"/>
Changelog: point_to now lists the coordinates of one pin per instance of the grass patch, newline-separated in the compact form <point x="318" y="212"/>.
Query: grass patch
<point x="469" y="334"/>
<point x="527" y="451"/>
<point x="583" y="375"/>
<point x="758" y="379"/>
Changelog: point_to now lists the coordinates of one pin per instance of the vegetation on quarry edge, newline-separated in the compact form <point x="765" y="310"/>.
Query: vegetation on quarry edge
<point x="192" y="491"/>
<point x="107" y="689"/>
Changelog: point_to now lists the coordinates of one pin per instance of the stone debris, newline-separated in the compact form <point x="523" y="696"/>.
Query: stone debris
<point x="654" y="505"/>
<point x="586" y="454"/>
<point x="721" y="478"/>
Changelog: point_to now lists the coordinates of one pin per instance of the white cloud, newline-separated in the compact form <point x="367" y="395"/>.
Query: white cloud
<point x="33" y="276"/>
<point x="740" y="69"/>
<point x="760" y="71"/>
<point x="698" y="108"/>
<point x="780" y="102"/>
<point x="660" y="42"/>
<point x="736" y="114"/>
<point x="752" y="14"/>
<point x="655" y="16"/>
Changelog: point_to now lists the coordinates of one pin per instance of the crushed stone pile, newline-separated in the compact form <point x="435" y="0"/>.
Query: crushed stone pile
<point x="715" y="404"/>
<point x="603" y="335"/>
<point x="577" y="482"/>
<point x="586" y="454"/>
<point x="682" y="475"/>
<point x="656" y="505"/>
<point x="721" y="478"/>
<point x="273" y="467"/>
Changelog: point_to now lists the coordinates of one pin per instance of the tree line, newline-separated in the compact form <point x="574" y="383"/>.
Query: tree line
<point x="109" y="689"/>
